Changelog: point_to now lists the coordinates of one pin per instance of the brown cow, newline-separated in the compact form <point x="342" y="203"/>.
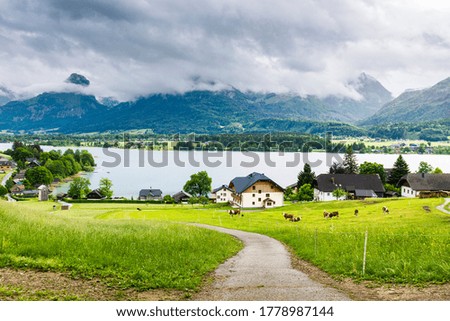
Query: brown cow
<point x="356" y="212"/>
<point x="326" y="214"/>
<point x="332" y="214"/>
<point x="385" y="210"/>
<point x="234" y="212"/>
<point x="288" y="216"/>
<point x="295" y="219"/>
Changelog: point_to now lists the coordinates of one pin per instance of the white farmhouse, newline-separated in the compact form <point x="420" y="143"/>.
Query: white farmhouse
<point x="412" y="185"/>
<point x="256" y="190"/>
<point x="222" y="194"/>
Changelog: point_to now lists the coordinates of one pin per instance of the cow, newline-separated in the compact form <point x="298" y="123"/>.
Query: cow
<point x="139" y="209"/>
<point x="426" y="208"/>
<point x="295" y="219"/>
<point x="332" y="214"/>
<point x="326" y="214"/>
<point x="288" y="216"/>
<point x="234" y="212"/>
<point x="385" y="210"/>
<point x="356" y="212"/>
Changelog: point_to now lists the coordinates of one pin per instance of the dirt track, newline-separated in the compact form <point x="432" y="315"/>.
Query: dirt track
<point x="263" y="271"/>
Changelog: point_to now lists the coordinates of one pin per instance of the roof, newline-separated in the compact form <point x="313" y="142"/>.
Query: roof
<point x="150" y="192"/>
<point x="221" y="187"/>
<point x="426" y="182"/>
<point x="365" y="193"/>
<point x="94" y="193"/>
<point x="181" y="194"/>
<point x="240" y="184"/>
<point x="349" y="182"/>
<point x="5" y="162"/>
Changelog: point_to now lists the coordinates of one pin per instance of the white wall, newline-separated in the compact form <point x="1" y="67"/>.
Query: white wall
<point x="256" y="199"/>
<point x="409" y="192"/>
<point x="325" y="196"/>
<point x="223" y="196"/>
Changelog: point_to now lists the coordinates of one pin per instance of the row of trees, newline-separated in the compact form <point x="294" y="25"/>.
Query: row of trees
<point x="80" y="187"/>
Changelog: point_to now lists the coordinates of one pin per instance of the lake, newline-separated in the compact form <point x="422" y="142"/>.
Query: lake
<point x="132" y="170"/>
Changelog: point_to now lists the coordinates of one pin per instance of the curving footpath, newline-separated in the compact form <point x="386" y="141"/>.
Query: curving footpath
<point x="262" y="271"/>
<point x="442" y="207"/>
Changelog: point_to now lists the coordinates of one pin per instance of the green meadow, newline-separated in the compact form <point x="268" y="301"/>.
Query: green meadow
<point x="155" y="248"/>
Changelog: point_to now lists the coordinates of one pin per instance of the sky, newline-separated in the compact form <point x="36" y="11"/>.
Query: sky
<point x="132" y="48"/>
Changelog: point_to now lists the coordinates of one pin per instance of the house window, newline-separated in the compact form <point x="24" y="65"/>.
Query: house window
<point x="328" y="194"/>
<point x="271" y="187"/>
<point x="267" y="195"/>
<point x="253" y="195"/>
<point x="269" y="204"/>
<point x="259" y="200"/>
<point x="253" y="203"/>
<point x="259" y="192"/>
<point x="254" y="187"/>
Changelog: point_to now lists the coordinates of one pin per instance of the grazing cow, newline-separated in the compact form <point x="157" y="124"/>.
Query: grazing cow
<point x="356" y="212"/>
<point x="427" y="209"/>
<point x="385" y="210"/>
<point x="326" y="214"/>
<point x="288" y="216"/>
<point x="234" y="212"/>
<point x="332" y="214"/>
<point x="295" y="219"/>
<point x="139" y="209"/>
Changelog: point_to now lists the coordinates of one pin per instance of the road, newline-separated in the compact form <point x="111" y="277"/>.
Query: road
<point x="262" y="271"/>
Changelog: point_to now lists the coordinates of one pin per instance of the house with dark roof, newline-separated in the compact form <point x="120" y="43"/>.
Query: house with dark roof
<point x="357" y="186"/>
<point x="256" y="190"/>
<point x="421" y="184"/>
<point x="5" y="164"/>
<point x="181" y="197"/>
<point x="150" y="194"/>
<point x="95" y="195"/>
<point x="222" y="194"/>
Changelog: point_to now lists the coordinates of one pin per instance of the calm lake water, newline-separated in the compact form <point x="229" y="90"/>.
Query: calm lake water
<point x="132" y="170"/>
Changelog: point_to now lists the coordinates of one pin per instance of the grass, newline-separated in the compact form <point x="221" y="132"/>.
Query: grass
<point x="150" y="249"/>
<point x="124" y="254"/>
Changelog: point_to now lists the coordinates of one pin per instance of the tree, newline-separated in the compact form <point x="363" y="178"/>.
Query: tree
<point x="305" y="193"/>
<point x="400" y="169"/>
<point x="424" y="167"/>
<point x="337" y="168"/>
<point x="307" y="176"/>
<point x="373" y="168"/>
<point x="79" y="188"/>
<point x="350" y="163"/>
<point x="288" y="193"/>
<point x="167" y="199"/>
<point x="3" y="190"/>
<point x="437" y="170"/>
<point x="39" y="175"/>
<point x="199" y="184"/>
<point x="106" y="187"/>
<point x="339" y="192"/>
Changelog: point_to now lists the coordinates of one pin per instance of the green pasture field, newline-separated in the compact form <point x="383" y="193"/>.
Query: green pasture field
<point x="122" y="253"/>
<point x="151" y="249"/>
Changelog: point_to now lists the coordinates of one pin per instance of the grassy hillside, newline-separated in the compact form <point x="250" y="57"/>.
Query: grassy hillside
<point x="149" y="249"/>
<point x="124" y="254"/>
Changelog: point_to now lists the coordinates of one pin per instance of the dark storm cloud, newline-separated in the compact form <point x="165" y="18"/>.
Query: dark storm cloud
<point x="135" y="47"/>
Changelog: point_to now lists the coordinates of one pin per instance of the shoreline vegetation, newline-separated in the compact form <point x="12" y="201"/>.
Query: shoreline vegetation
<point x="255" y="142"/>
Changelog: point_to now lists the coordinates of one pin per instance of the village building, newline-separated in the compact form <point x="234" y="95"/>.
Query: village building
<point x="150" y="195"/>
<point x="181" y="197"/>
<point x="17" y="189"/>
<point x="222" y="194"/>
<point x="424" y="185"/>
<point x="256" y="190"/>
<point x="357" y="186"/>
<point x="43" y="193"/>
<point x="32" y="162"/>
<point x="95" y="195"/>
<point x="5" y="165"/>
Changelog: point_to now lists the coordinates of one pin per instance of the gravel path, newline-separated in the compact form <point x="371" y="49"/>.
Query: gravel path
<point x="262" y="271"/>
<point x="442" y="207"/>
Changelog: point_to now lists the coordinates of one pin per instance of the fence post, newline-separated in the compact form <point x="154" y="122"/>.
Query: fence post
<point x="365" y="252"/>
<point x="315" y="243"/>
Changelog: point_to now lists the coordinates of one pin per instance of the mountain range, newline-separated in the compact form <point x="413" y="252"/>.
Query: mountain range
<point x="223" y="111"/>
